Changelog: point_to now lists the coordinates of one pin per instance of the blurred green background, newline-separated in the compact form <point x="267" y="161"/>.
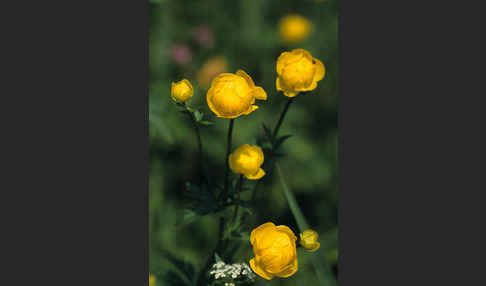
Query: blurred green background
<point x="231" y="35"/>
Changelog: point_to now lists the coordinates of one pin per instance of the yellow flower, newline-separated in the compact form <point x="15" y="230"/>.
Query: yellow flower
<point x="298" y="71"/>
<point x="232" y="95"/>
<point x="246" y="160"/>
<point x="294" y="28"/>
<point x="211" y="68"/>
<point x="308" y="239"/>
<point x="274" y="249"/>
<point x="181" y="91"/>
<point x="152" y="280"/>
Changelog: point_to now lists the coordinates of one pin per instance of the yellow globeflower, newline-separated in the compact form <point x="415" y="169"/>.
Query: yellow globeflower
<point x="246" y="160"/>
<point x="308" y="239"/>
<point x="232" y="95"/>
<point x="294" y="28"/>
<point x="152" y="280"/>
<point x="275" y="251"/>
<point x="181" y="91"/>
<point x="298" y="71"/>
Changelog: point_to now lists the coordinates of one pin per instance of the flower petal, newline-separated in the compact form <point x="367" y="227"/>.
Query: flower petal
<point x="257" y="232"/>
<point x="315" y="247"/>
<point x="290" y="93"/>
<point x="188" y="84"/>
<point x="258" y="270"/>
<point x="287" y="91"/>
<point x="289" y="270"/>
<point x="287" y="230"/>
<point x="257" y="175"/>
<point x="310" y="87"/>
<point x="320" y="70"/>
<point x="259" y="150"/>
<point x="259" y="93"/>
<point x="279" y="84"/>
<point x="209" y="99"/>
<point x="247" y="77"/>
<point x="282" y="60"/>
<point x="251" y="109"/>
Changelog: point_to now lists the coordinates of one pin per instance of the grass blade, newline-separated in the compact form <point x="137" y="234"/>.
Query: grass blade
<point x="324" y="274"/>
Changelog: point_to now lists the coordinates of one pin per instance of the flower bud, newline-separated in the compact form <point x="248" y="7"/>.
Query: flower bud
<point x="275" y="251"/>
<point x="246" y="160"/>
<point x="298" y="71"/>
<point x="181" y="91"/>
<point x="308" y="239"/>
<point x="294" y="28"/>
<point x="233" y="95"/>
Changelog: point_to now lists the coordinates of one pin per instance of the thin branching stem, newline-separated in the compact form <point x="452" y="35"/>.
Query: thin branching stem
<point x="228" y="151"/>
<point x="199" y="144"/>
<point x="280" y="120"/>
<point x="238" y="190"/>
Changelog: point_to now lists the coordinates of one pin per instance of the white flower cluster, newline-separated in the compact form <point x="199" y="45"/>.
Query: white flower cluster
<point x="229" y="284"/>
<point x="237" y="270"/>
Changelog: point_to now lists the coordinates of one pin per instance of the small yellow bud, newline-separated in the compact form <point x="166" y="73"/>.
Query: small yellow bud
<point x="152" y="280"/>
<point x="233" y="95"/>
<point x="181" y="91"/>
<point x="246" y="160"/>
<point x="294" y="28"/>
<point x="308" y="239"/>
<point x="275" y="251"/>
<point x="298" y="71"/>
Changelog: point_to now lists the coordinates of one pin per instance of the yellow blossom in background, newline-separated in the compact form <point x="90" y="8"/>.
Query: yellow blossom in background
<point x="152" y="280"/>
<point x="294" y="28"/>
<point x="181" y="91"/>
<point x="246" y="160"/>
<point x="308" y="239"/>
<point x="275" y="251"/>
<point x="211" y="68"/>
<point x="232" y="95"/>
<point x="298" y="71"/>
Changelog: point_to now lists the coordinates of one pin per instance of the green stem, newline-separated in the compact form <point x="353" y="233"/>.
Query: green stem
<point x="199" y="144"/>
<point x="228" y="151"/>
<point x="238" y="190"/>
<point x="323" y="272"/>
<point x="282" y="116"/>
<point x="198" y="133"/>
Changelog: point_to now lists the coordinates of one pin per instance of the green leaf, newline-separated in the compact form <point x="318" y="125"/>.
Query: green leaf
<point x="207" y="123"/>
<point x="198" y="115"/>
<point x="217" y="258"/>
<point x="190" y="109"/>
